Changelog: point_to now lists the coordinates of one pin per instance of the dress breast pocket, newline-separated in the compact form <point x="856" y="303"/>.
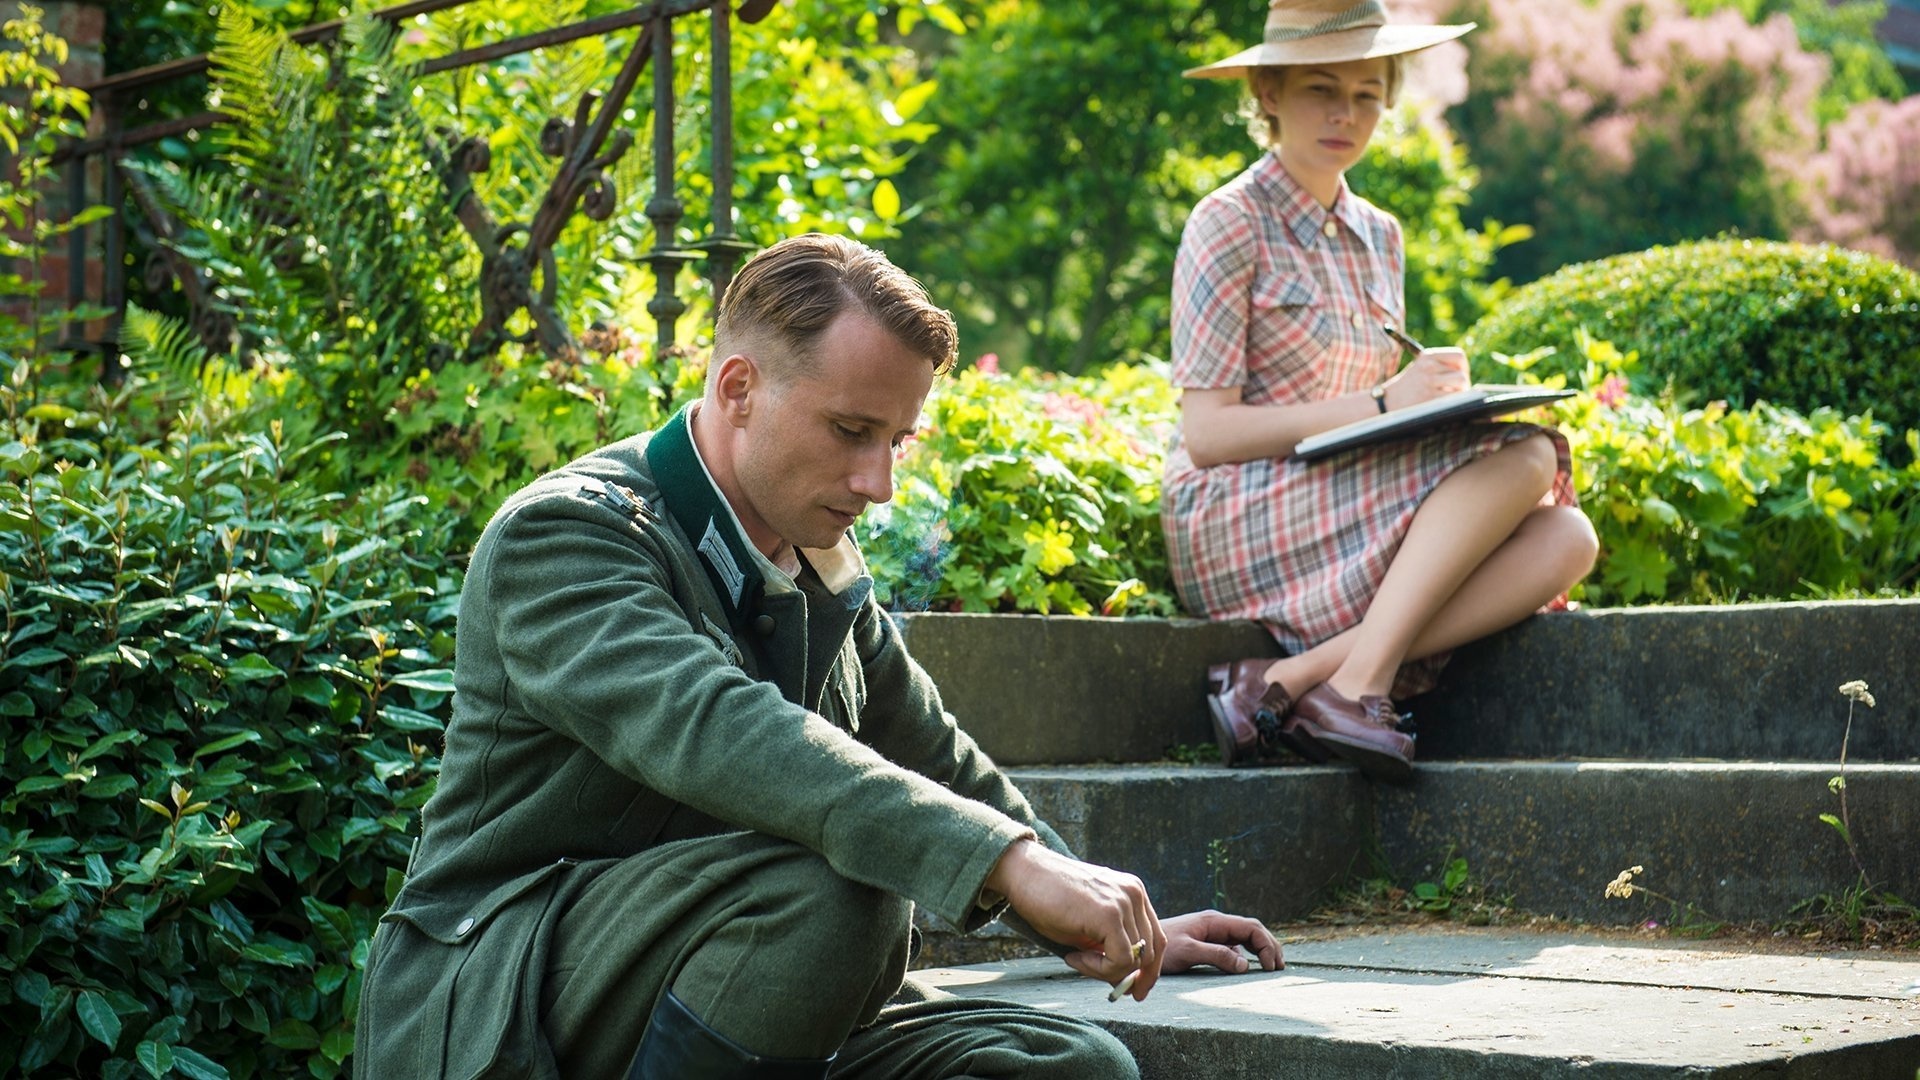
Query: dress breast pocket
<point x="1288" y="319"/>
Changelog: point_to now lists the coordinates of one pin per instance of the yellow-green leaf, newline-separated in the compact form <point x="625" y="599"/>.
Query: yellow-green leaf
<point x="886" y="200"/>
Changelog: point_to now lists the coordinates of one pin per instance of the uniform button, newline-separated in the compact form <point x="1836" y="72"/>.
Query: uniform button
<point x="466" y="924"/>
<point x="1331" y="229"/>
<point x="1359" y="320"/>
<point x="763" y="625"/>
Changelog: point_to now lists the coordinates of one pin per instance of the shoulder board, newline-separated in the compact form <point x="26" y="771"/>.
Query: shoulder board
<point x="621" y="498"/>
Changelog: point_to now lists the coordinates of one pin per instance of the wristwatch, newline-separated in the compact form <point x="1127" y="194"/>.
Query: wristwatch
<point x="1379" y="393"/>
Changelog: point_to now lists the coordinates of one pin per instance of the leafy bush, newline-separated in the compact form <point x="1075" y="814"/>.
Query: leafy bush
<point x="223" y="690"/>
<point x="475" y="431"/>
<point x="1031" y="492"/>
<point x="1804" y="327"/>
<point x="1718" y="504"/>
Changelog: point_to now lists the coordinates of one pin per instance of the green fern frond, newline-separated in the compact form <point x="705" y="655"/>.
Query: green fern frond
<point x="163" y="348"/>
<point x="246" y="62"/>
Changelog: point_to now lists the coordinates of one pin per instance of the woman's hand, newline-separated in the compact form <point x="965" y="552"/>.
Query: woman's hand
<point x="1434" y="373"/>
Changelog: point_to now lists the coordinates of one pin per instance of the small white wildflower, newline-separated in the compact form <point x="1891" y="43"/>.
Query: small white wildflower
<point x="1857" y="690"/>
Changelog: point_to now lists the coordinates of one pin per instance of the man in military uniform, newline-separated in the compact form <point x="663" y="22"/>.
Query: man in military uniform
<point x="693" y="783"/>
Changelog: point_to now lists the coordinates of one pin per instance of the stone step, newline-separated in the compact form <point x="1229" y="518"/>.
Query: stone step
<point x="1740" y="842"/>
<point x="1739" y="683"/>
<point x="1494" y="1005"/>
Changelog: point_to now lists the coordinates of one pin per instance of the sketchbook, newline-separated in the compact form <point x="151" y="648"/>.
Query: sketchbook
<point x="1480" y="402"/>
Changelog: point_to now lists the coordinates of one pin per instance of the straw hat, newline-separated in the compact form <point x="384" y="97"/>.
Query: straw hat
<point x="1329" y="32"/>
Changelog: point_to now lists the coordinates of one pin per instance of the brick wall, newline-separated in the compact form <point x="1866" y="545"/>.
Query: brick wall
<point x="83" y="26"/>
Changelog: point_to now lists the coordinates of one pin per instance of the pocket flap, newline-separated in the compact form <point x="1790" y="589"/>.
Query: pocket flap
<point x="1285" y="290"/>
<point x="459" y="922"/>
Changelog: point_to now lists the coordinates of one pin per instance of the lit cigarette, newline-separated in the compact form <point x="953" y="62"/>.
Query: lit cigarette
<point x="1120" y="988"/>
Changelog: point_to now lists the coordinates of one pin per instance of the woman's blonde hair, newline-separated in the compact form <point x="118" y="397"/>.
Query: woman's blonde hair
<point x="1263" y="126"/>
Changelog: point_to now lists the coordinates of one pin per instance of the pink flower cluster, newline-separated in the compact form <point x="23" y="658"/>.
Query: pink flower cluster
<point x="1580" y="65"/>
<point x="1863" y="189"/>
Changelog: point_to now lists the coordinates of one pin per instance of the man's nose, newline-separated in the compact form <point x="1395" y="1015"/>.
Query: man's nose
<point x="873" y="476"/>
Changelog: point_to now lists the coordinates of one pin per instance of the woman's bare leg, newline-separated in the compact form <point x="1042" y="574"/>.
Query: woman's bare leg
<point x="1480" y="555"/>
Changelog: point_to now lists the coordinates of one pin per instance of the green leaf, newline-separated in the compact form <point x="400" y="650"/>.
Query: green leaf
<point x="227" y="743"/>
<point x="108" y="787"/>
<point x="437" y="680"/>
<point x="108" y="742"/>
<point x="196" y="1065"/>
<point x="404" y="719"/>
<point x="35" y="658"/>
<point x="338" y="1044"/>
<point x="294" y="1035"/>
<point x="914" y="98"/>
<point x="98" y="1018"/>
<point x="155" y="1057"/>
<point x="16" y="703"/>
<point x="252" y="666"/>
<point x="331" y="925"/>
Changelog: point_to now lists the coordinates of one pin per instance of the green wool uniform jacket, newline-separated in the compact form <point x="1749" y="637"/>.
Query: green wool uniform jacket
<point x="629" y="673"/>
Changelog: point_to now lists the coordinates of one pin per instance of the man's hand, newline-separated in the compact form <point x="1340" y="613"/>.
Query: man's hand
<point x="1102" y="911"/>
<point x="1208" y="937"/>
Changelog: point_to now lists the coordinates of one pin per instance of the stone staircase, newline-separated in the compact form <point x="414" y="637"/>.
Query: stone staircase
<point x="1697" y="743"/>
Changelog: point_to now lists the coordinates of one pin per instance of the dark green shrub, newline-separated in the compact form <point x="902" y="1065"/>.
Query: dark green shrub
<point x="222" y="694"/>
<point x="1800" y="326"/>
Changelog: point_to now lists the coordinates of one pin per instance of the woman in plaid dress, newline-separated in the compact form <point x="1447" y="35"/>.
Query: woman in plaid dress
<point x="1368" y="566"/>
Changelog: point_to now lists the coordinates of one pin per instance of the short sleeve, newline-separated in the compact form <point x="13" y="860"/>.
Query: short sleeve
<point x="1212" y="296"/>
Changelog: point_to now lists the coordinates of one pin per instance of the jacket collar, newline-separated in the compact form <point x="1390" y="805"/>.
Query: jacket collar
<point x="739" y="573"/>
<point x="730" y="562"/>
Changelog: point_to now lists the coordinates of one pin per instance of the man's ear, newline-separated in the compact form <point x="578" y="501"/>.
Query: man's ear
<point x="737" y="384"/>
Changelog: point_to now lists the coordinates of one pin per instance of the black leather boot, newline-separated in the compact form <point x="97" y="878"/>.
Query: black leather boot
<point x="680" y="1046"/>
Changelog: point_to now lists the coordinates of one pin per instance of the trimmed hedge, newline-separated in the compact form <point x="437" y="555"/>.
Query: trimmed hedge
<point x="223" y="692"/>
<point x="1801" y="326"/>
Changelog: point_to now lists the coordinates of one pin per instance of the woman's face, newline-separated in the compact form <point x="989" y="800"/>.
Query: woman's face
<point x="1327" y="112"/>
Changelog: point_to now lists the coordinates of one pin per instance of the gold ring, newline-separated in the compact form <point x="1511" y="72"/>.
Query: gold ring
<point x="1138" y="948"/>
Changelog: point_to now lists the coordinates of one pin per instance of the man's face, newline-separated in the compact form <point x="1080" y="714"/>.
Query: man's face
<point x="817" y="449"/>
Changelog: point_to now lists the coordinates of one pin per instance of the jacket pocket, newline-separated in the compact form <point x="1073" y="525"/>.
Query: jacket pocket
<point x="452" y="988"/>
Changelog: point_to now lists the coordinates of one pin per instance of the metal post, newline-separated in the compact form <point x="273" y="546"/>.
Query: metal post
<point x="665" y="208"/>
<point x="724" y="246"/>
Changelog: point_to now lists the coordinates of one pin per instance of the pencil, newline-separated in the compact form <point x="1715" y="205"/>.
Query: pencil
<point x="1403" y="340"/>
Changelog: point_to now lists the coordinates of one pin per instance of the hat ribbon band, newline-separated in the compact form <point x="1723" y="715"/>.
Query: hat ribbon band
<point x="1365" y="13"/>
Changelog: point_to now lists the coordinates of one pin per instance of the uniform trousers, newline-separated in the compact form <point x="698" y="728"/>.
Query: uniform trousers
<point x="773" y="949"/>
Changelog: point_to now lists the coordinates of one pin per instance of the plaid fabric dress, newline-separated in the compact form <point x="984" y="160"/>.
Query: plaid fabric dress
<point x="1282" y="298"/>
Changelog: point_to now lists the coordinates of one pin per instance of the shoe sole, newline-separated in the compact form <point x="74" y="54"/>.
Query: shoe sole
<point x="1300" y="737"/>
<point x="1368" y="758"/>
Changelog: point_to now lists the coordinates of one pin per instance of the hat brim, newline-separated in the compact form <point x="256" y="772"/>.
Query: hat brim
<point x="1360" y="43"/>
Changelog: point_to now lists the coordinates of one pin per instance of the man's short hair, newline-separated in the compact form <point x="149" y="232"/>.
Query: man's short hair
<point x="789" y="294"/>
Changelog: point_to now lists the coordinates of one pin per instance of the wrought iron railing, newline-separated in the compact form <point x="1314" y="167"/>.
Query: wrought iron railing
<point x="586" y="145"/>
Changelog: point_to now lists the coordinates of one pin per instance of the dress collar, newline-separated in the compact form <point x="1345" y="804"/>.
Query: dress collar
<point x="1303" y="215"/>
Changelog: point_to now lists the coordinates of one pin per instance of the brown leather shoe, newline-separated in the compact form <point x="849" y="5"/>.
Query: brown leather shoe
<point x="1365" y="732"/>
<point x="1253" y="718"/>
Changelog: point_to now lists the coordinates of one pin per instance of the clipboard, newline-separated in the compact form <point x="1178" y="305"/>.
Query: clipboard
<point x="1479" y="402"/>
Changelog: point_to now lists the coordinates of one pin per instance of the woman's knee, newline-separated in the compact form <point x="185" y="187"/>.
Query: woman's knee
<point x="1563" y="535"/>
<point x="1536" y="461"/>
